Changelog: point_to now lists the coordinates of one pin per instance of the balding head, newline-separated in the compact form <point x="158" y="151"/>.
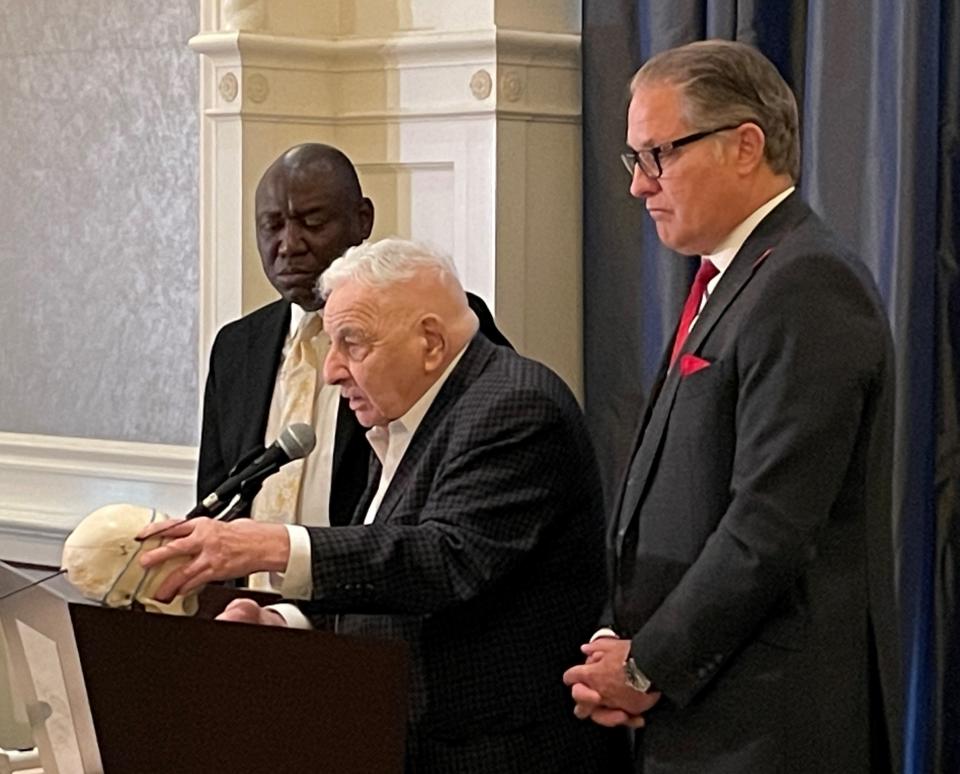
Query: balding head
<point x="397" y="317"/>
<point x="309" y="210"/>
<point x="314" y="160"/>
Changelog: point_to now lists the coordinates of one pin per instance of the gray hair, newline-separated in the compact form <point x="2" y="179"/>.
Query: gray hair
<point x="384" y="263"/>
<point x="724" y="83"/>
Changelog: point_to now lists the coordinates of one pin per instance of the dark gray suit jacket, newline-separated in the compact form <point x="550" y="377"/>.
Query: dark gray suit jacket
<point x="486" y="556"/>
<point x="752" y="538"/>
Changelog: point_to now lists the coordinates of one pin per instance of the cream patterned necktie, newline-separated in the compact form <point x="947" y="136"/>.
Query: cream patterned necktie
<point x="298" y="381"/>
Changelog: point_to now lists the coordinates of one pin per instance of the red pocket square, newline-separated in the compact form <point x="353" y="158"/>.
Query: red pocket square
<point x="690" y="364"/>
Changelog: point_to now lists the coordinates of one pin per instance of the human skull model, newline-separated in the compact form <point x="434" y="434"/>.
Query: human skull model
<point x="101" y="558"/>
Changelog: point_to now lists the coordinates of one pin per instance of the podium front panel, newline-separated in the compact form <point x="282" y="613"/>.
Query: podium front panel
<point x="128" y="692"/>
<point x="187" y="695"/>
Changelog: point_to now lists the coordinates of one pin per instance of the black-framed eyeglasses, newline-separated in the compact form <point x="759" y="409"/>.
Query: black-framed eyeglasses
<point x="648" y="159"/>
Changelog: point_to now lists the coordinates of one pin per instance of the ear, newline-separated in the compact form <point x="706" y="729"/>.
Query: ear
<point x="434" y="337"/>
<point x="750" y="147"/>
<point x="365" y="218"/>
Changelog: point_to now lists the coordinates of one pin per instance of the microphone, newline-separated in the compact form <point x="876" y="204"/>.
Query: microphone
<point x="296" y="441"/>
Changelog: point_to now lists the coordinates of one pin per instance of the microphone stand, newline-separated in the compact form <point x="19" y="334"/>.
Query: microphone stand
<point x="201" y="510"/>
<point x="241" y="504"/>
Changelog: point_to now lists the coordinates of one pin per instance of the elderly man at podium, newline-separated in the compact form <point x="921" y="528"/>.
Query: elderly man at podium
<point x="479" y="540"/>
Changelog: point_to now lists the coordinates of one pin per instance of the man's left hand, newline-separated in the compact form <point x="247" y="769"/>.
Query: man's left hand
<point x="248" y="611"/>
<point x="219" y="550"/>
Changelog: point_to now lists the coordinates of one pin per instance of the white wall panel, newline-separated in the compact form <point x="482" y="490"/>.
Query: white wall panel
<point x="47" y="484"/>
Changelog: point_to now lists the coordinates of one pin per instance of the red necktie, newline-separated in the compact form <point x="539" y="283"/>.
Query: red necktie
<point x="705" y="273"/>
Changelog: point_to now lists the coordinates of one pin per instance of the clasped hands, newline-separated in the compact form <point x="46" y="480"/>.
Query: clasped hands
<point x="599" y="686"/>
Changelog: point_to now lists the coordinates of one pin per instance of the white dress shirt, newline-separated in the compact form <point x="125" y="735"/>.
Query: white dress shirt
<point x="725" y="252"/>
<point x="390" y="442"/>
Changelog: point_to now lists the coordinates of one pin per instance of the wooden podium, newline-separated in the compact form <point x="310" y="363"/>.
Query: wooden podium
<point x="120" y="691"/>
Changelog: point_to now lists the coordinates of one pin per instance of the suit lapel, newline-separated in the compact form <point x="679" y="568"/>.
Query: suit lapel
<point x="759" y="246"/>
<point x="264" y="347"/>
<point x="473" y="362"/>
<point x="372" y="480"/>
<point x="349" y="477"/>
<point x="347" y="430"/>
<point x="642" y="425"/>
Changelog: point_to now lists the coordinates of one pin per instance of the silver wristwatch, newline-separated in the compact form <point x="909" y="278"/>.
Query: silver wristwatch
<point x="634" y="677"/>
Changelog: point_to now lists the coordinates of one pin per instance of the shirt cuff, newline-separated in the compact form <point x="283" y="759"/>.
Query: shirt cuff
<point x="292" y="614"/>
<point x="296" y="582"/>
<point x="605" y="631"/>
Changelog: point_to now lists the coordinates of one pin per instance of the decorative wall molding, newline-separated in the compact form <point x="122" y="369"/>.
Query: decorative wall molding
<point x="48" y="483"/>
<point x="410" y="73"/>
<point x="381" y="118"/>
<point x="404" y="49"/>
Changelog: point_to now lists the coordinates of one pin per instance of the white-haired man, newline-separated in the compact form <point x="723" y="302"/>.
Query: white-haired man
<point x="479" y="540"/>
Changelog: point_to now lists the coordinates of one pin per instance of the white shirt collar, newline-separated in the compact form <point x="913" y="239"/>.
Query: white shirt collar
<point x="297" y="313"/>
<point x="390" y="441"/>
<point x="723" y="256"/>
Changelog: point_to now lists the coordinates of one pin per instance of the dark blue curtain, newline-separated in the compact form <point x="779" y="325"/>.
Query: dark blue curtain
<point x="878" y="85"/>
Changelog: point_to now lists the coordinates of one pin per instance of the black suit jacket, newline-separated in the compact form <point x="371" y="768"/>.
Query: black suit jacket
<point x="243" y="371"/>
<point x="486" y="556"/>
<point x="752" y="536"/>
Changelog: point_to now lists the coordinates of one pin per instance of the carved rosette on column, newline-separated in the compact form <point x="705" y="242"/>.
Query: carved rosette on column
<point x="511" y="85"/>
<point x="256" y="87"/>
<point x="228" y="87"/>
<point x="481" y="84"/>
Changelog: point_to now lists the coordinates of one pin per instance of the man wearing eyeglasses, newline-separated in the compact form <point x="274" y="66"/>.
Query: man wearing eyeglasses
<point x="752" y="625"/>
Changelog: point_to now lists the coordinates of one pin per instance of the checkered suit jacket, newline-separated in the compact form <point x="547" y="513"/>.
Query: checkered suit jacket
<point x="487" y="557"/>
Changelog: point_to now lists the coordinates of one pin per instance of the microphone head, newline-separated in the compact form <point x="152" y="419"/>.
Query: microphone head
<point x="297" y="440"/>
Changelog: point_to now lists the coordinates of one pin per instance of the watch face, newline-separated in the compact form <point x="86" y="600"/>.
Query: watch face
<point x="635" y="678"/>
